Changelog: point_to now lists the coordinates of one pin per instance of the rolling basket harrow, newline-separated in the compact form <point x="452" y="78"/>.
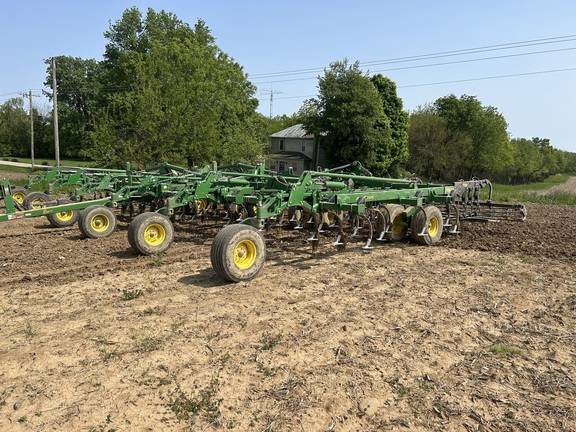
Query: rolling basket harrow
<point x="343" y="205"/>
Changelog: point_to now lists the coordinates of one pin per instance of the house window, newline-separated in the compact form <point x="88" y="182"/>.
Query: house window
<point x="303" y="146"/>
<point x="281" y="144"/>
<point x="282" y="166"/>
<point x="294" y="167"/>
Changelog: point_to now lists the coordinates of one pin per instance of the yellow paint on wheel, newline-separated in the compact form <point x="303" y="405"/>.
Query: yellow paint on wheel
<point x="398" y="225"/>
<point x="65" y="216"/>
<point x="100" y="223"/>
<point x="38" y="203"/>
<point x="245" y="254"/>
<point x="201" y="204"/>
<point x="19" y="197"/>
<point x="154" y="234"/>
<point x="433" y="226"/>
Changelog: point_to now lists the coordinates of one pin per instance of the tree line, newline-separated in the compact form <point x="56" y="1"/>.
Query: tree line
<point x="164" y="91"/>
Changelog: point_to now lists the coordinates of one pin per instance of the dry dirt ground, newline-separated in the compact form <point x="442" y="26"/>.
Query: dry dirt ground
<point x="474" y="334"/>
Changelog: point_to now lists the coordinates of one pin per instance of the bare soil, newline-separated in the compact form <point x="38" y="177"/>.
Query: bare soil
<point x="474" y="334"/>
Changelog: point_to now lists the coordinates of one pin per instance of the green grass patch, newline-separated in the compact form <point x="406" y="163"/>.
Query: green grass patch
<point x="506" y="350"/>
<point x="535" y="192"/>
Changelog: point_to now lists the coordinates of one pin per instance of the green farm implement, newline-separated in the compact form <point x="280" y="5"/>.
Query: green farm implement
<point x="346" y="206"/>
<point x="343" y="205"/>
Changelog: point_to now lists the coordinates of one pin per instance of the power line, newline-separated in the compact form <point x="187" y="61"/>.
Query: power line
<point x="490" y="77"/>
<point x="440" y="64"/>
<point x="458" y="81"/>
<point x="512" y="45"/>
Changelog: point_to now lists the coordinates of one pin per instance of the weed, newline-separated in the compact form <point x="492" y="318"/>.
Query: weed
<point x="3" y="396"/>
<point x="145" y="342"/>
<point x="203" y="403"/>
<point x="106" y="354"/>
<point x="269" y="341"/>
<point x="156" y="310"/>
<point x="267" y="370"/>
<point x="505" y="350"/>
<point x="23" y="419"/>
<point x="178" y="323"/>
<point x="158" y="259"/>
<point x="132" y="294"/>
<point x="29" y="331"/>
<point x="224" y="359"/>
<point x="400" y="389"/>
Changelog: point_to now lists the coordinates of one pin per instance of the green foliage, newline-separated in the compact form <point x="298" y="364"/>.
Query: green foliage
<point x="80" y="90"/>
<point x="484" y="128"/>
<point x="534" y="160"/>
<point x="505" y="350"/>
<point x="164" y="91"/>
<point x="180" y="97"/>
<point x="396" y="150"/>
<point x="457" y="138"/>
<point x="14" y="127"/>
<point x="132" y="294"/>
<point x="348" y="117"/>
<point x="535" y="192"/>
<point x="269" y="341"/>
<point x="187" y="407"/>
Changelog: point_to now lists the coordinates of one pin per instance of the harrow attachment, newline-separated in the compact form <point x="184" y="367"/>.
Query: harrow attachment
<point x="343" y="206"/>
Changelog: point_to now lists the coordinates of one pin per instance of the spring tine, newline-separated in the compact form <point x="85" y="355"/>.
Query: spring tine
<point x="368" y="246"/>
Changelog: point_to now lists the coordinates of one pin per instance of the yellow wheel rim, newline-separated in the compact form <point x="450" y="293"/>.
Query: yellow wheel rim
<point x="100" y="223"/>
<point x="65" y="216"/>
<point x="433" y="226"/>
<point x="201" y="204"/>
<point x="154" y="234"/>
<point x="19" y="197"/>
<point x="38" y="203"/>
<point x="245" y="254"/>
<point x="398" y="225"/>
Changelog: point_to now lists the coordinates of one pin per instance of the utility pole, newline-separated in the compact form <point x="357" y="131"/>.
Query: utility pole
<point x="271" y="92"/>
<point x="31" y="124"/>
<point x="55" y="102"/>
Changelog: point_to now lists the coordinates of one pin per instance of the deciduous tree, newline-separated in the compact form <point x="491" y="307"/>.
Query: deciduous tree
<point x="348" y="118"/>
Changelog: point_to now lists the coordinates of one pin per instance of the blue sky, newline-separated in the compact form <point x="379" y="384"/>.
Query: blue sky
<point x="535" y="91"/>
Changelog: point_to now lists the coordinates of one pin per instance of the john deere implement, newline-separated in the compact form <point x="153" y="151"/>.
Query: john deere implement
<point x="343" y="205"/>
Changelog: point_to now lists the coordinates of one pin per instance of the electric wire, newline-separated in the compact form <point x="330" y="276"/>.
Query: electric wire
<point x="438" y="64"/>
<point x="512" y="45"/>
<point x="452" y="81"/>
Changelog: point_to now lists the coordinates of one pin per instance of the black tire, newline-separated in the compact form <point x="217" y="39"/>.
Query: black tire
<point x="150" y="233"/>
<point x="427" y="225"/>
<point x="35" y="200"/>
<point x="398" y="228"/>
<point x="97" y="221"/>
<point x="19" y="194"/>
<point x="63" y="219"/>
<point x="238" y="253"/>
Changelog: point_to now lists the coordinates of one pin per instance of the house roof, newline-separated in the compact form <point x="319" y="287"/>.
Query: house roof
<point x="296" y="131"/>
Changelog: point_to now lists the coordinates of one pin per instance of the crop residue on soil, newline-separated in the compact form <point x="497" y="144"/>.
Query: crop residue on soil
<point x="476" y="333"/>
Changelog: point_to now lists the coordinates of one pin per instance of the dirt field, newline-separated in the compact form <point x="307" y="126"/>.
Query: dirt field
<point x="474" y="334"/>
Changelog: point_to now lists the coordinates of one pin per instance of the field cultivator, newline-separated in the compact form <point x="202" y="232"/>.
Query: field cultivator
<point x="344" y="205"/>
<point x="85" y="188"/>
